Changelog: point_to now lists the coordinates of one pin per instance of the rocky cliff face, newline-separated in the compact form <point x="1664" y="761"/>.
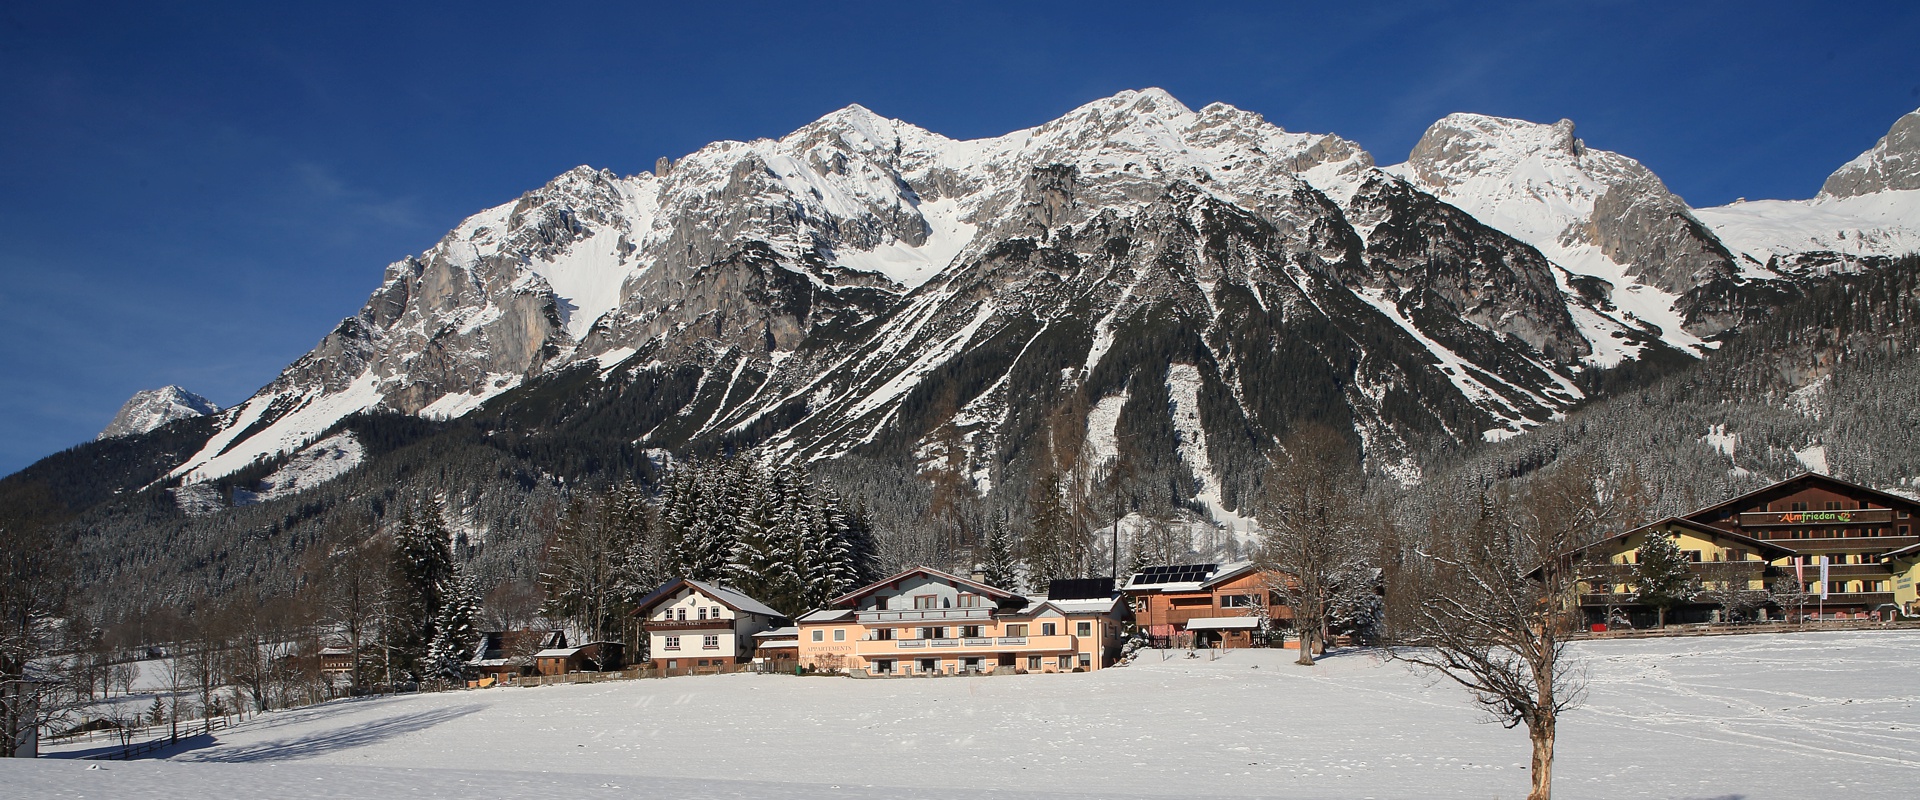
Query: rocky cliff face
<point x="1892" y="164"/>
<point x="864" y="286"/>
<point x="1597" y="214"/>
<point x="1866" y="214"/>
<point x="153" y="408"/>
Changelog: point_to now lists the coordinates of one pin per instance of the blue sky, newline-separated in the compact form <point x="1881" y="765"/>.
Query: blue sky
<point x="195" y="194"/>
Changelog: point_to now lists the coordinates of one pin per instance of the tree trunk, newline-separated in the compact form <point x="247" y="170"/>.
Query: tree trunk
<point x="1542" y="736"/>
<point x="1306" y="647"/>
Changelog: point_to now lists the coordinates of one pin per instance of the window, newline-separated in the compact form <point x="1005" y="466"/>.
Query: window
<point x="1797" y="507"/>
<point x="970" y="665"/>
<point x="1902" y="515"/>
<point x="1086" y="661"/>
<point x="1066" y="662"/>
<point x="682" y="614"/>
<point x="883" y="666"/>
<point x="1833" y="505"/>
<point x="970" y="631"/>
<point x="924" y="601"/>
<point x="839" y="634"/>
<point x="819" y="636"/>
<point x="1236" y="601"/>
<point x="1017" y="630"/>
<point x="703" y="612"/>
<point x="883" y="634"/>
<point x="929" y="665"/>
<point x="1083" y="629"/>
<point x="969" y="601"/>
<point x="710" y="641"/>
<point x="1033" y="663"/>
<point x="673" y="643"/>
<point x="1047" y="629"/>
<point x="1903" y="530"/>
<point x="1691" y="555"/>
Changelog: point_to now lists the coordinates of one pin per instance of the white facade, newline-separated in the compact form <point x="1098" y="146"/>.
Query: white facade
<point x="690" y="622"/>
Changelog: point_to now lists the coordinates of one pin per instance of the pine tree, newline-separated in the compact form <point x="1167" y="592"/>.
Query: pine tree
<point x="422" y="565"/>
<point x="454" y="634"/>
<point x="828" y="570"/>
<point x="1054" y="549"/>
<point x="1662" y="574"/>
<point x="863" y="551"/>
<point x="1000" y="569"/>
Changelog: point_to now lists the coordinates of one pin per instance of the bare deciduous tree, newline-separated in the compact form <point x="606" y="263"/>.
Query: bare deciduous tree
<point x="1496" y="589"/>
<point x="34" y="578"/>
<point x="1309" y="515"/>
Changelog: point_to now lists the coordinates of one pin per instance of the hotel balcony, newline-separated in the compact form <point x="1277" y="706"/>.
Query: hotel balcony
<point x="919" y="615"/>
<point x="654" y="625"/>
<point x="929" y="648"/>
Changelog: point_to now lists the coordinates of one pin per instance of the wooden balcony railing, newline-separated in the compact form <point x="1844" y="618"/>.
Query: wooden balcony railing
<point x="908" y="616"/>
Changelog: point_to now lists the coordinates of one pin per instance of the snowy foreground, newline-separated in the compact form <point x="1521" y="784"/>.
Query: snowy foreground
<point x="1765" y="716"/>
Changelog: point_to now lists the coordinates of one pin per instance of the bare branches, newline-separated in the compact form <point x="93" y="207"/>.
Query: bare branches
<point x="1490" y="591"/>
<point x="1310" y="514"/>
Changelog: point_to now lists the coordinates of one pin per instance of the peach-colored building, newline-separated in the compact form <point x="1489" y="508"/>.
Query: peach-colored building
<point x="927" y="622"/>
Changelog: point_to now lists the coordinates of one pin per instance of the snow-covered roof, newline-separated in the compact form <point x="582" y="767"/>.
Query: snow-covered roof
<point x="826" y="615"/>
<point x="1186" y="577"/>
<point x="334" y="651"/>
<point x="1223" y="624"/>
<point x="1084" y="606"/>
<point x="790" y="632"/>
<point x="724" y="595"/>
<point x="558" y="652"/>
<point x="734" y="599"/>
<point x="957" y="581"/>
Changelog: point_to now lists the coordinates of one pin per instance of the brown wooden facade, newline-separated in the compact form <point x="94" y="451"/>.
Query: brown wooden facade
<point x="1163" y="610"/>
<point x="1817" y="516"/>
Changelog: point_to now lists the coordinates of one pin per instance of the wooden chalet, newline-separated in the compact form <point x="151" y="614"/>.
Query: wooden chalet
<point x="505" y="655"/>
<point x="693" y="624"/>
<point x="589" y="657"/>
<point x="1217" y="605"/>
<point x="335" y="661"/>
<point x="1832" y="527"/>
<point x="1719" y="559"/>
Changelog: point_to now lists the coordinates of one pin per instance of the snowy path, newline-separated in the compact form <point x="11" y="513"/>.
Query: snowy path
<point x="1786" y="716"/>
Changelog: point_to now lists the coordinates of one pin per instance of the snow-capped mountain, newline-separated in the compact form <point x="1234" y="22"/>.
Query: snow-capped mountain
<point x="1867" y="211"/>
<point x="1607" y="222"/>
<point x="153" y="408"/>
<point x="1204" y="280"/>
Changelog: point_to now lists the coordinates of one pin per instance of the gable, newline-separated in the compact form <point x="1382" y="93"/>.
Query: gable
<point x="1809" y="492"/>
<point x="924" y="580"/>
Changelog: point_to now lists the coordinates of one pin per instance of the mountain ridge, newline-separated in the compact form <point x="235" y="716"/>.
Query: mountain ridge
<point x="810" y="291"/>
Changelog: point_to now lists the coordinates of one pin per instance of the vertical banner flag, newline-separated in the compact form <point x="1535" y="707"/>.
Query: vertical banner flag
<point x="1823" y="577"/>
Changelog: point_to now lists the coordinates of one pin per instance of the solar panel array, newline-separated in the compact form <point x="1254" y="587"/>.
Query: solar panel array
<point x="1184" y="573"/>
<point x="1080" y="589"/>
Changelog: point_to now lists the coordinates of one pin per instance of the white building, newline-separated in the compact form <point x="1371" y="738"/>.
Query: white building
<point x="693" y="624"/>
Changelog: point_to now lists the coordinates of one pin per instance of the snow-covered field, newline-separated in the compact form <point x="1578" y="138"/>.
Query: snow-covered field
<point x="1765" y="716"/>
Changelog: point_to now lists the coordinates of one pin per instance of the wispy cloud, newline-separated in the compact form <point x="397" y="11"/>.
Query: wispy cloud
<point x="328" y="188"/>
